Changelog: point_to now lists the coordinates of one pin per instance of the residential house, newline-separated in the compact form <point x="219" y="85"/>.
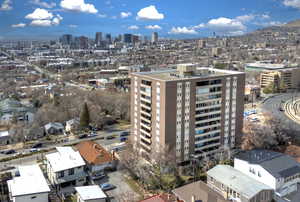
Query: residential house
<point x="237" y="186"/>
<point x="92" y="193"/>
<point x="65" y="167"/>
<point x="279" y="171"/>
<point x="96" y="158"/>
<point x="4" y="192"/>
<point x="159" y="198"/>
<point x="11" y="108"/>
<point x="198" y="191"/>
<point x="54" y="128"/>
<point x="5" y="137"/>
<point x="72" y="124"/>
<point x="31" y="185"/>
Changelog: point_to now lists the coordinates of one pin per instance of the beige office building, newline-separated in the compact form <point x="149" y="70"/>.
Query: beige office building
<point x="190" y="111"/>
<point x="289" y="77"/>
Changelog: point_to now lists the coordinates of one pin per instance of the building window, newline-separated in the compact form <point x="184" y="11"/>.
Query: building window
<point x="61" y="174"/>
<point x="258" y="173"/>
<point x="71" y="171"/>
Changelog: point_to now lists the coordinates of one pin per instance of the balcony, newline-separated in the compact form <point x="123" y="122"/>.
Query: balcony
<point x="69" y="178"/>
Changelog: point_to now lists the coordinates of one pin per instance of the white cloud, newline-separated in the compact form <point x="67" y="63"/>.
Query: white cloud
<point x="133" y="27"/>
<point x="20" y="25"/>
<point x="182" y="30"/>
<point x="41" y="23"/>
<point x="73" y="26"/>
<point x="125" y="14"/>
<point x="153" y="27"/>
<point x="226" y="24"/>
<point x="43" y="4"/>
<point x="245" y="18"/>
<point x="100" y="15"/>
<point x="6" y="5"/>
<point x="292" y="3"/>
<point x="268" y="24"/>
<point x="78" y="6"/>
<point x="202" y="25"/>
<point x="43" y="18"/>
<point x="149" y="13"/>
<point x="265" y="16"/>
<point x="39" y="14"/>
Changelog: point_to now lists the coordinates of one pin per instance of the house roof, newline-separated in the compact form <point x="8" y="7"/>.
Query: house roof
<point x="277" y="164"/>
<point x="236" y="180"/>
<point x="65" y="158"/>
<point x="200" y="191"/>
<point x="93" y="153"/>
<point x="55" y="125"/>
<point x="90" y="192"/>
<point x="158" y="198"/>
<point x="31" y="181"/>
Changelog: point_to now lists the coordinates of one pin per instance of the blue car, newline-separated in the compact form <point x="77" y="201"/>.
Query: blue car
<point x="123" y="139"/>
<point x="107" y="186"/>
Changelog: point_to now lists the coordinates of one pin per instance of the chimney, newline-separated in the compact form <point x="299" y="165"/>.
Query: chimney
<point x="193" y="198"/>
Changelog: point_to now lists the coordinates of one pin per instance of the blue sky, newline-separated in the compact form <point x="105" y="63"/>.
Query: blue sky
<point x="170" y="18"/>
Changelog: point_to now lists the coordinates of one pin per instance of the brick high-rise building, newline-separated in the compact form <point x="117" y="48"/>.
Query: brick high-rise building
<point x="190" y="111"/>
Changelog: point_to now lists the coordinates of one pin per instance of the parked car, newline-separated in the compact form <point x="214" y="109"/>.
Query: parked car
<point x="11" y="151"/>
<point x="34" y="150"/>
<point x="98" y="176"/>
<point x="83" y="136"/>
<point x="124" y="134"/>
<point x="123" y="139"/>
<point x="107" y="186"/>
<point x="110" y="137"/>
<point x="37" y="145"/>
<point x="92" y="134"/>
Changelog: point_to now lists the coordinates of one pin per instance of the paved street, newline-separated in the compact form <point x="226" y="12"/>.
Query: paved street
<point x="31" y="159"/>
<point x="272" y="105"/>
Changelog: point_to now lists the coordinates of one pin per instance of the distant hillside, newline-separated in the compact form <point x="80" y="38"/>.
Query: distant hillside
<point x="295" y="23"/>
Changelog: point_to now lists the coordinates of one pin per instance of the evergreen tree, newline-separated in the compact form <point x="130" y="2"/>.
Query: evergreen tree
<point x="84" y="116"/>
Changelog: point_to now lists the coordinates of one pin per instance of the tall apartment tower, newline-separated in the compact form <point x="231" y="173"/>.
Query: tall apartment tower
<point x="98" y="38"/>
<point x="190" y="111"/>
<point x="154" y="37"/>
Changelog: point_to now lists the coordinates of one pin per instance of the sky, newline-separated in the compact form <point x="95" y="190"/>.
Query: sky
<point x="42" y="19"/>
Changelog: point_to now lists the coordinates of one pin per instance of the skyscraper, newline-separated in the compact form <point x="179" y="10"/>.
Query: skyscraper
<point x="98" y="38"/>
<point x="154" y="37"/>
<point x="190" y="111"/>
<point x="108" y="38"/>
<point x="66" y="39"/>
<point x="127" y="38"/>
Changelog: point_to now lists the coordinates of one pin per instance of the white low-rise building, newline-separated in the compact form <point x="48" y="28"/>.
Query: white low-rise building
<point x="91" y="193"/>
<point x="30" y="186"/>
<point x="279" y="171"/>
<point x="65" y="167"/>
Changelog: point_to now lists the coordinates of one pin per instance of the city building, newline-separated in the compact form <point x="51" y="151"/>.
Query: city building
<point x="92" y="193"/>
<point x="108" y="38"/>
<point x="216" y="51"/>
<point x="237" y="186"/>
<point x="154" y="37"/>
<point x="282" y="79"/>
<point x="127" y="38"/>
<point x="98" y="38"/>
<point x="31" y="185"/>
<point x="198" y="191"/>
<point x="279" y="171"/>
<point x="202" y="44"/>
<point x="190" y="111"/>
<point x="96" y="158"/>
<point x="65" y="167"/>
<point x="66" y="39"/>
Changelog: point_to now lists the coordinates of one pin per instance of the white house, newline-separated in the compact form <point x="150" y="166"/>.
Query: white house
<point x="65" y="167"/>
<point x="279" y="171"/>
<point x="30" y="186"/>
<point x="92" y="193"/>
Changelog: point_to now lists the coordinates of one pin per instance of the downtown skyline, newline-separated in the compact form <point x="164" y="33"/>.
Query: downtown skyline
<point x="33" y="19"/>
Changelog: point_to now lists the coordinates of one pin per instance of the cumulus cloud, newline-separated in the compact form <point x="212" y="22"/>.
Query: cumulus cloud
<point x="292" y="3"/>
<point x="42" y="18"/>
<point x="153" y="27"/>
<point x="125" y="14"/>
<point x="39" y="14"/>
<point x="20" y="25"/>
<point x="43" y="4"/>
<point x="245" y="18"/>
<point x="133" y="27"/>
<point x="78" y="6"/>
<point x="182" y="30"/>
<point x="6" y="5"/>
<point x="149" y="13"/>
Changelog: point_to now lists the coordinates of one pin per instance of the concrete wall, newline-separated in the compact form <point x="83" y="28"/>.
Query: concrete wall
<point x="42" y="197"/>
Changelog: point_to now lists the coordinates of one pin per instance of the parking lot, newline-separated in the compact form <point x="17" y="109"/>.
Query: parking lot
<point x="116" y="178"/>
